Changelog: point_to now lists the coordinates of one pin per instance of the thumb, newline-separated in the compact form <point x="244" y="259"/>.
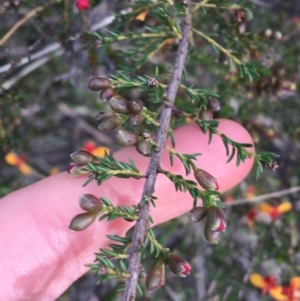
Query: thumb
<point x="41" y="257"/>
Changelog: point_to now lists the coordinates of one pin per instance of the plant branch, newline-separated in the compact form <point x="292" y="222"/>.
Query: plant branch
<point x="28" y="16"/>
<point x="57" y="47"/>
<point x="217" y="45"/>
<point x="264" y="197"/>
<point x="165" y="118"/>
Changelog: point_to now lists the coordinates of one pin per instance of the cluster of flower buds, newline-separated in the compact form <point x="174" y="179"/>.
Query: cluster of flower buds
<point x="156" y="276"/>
<point x="8" y="5"/>
<point x="80" y="158"/>
<point x="110" y="120"/>
<point x="206" y="180"/>
<point x="215" y="222"/>
<point x="273" y="165"/>
<point x="269" y="34"/>
<point x="213" y="106"/>
<point x="92" y="207"/>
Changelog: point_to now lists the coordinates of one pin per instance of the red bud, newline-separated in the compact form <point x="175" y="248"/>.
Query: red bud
<point x="215" y="219"/>
<point x="178" y="265"/>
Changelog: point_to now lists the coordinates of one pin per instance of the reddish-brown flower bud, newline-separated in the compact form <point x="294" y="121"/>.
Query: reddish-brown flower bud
<point x="90" y="203"/>
<point x="82" y="221"/>
<point x="215" y="219"/>
<point x="135" y="106"/>
<point x="155" y="277"/>
<point x="82" y="157"/>
<point x="211" y="236"/>
<point x="119" y="104"/>
<point x="206" y="114"/>
<point x="126" y="138"/>
<point x="197" y="214"/>
<point x="214" y="104"/>
<point x="106" y="94"/>
<point x="239" y="15"/>
<point x="109" y="124"/>
<point x="77" y="170"/>
<point x="178" y="265"/>
<point x="135" y="120"/>
<point x="98" y="83"/>
<point x="104" y="115"/>
<point x="206" y="180"/>
<point x="144" y="147"/>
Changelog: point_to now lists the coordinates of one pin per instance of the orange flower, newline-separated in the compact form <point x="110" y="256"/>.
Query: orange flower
<point x="229" y="199"/>
<point x="292" y="293"/>
<point x="275" y="211"/>
<point x="266" y="284"/>
<point x="251" y="216"/>
<point x="250" y="193"/>
<point x="142" y="16"/>
<point x="54" y="170"/>
<point x="279" y="293"/>
<point x="97" y="151"/>
<point x="272" y="211"/>
<point x="15" y="160"/>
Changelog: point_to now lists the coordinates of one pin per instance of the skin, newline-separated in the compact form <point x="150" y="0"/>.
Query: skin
<point x="40" y="257"/>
